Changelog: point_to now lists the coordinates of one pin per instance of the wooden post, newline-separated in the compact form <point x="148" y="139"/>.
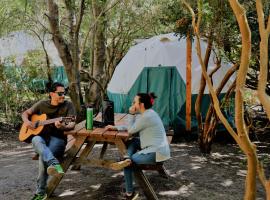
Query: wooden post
<point x="188" y="82"/>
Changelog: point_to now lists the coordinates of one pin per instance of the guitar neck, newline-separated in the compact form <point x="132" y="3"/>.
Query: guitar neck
<point x="50" y="121"/>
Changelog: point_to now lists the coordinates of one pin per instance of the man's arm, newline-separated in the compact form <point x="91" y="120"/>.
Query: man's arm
<point x="64" y="126"/>
<point x="25" y="117"/>
<point x="67" y="126"/>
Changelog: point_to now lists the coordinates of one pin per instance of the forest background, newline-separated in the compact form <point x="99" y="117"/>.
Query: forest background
<point x="93" y="36"/>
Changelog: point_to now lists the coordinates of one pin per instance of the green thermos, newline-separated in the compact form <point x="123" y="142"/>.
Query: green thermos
<point x="89" y="118"/>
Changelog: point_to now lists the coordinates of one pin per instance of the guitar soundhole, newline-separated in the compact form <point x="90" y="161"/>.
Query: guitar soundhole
<point x="36" y="124"/>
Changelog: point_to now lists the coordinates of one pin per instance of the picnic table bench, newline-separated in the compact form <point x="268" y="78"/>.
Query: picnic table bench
<point x="81" y="142"/>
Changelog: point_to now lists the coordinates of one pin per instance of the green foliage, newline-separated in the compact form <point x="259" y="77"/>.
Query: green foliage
<point x="252" y="77"/>
<point x="11" y="14"/>
<point x="15" y="90"/>
<point x="217" y="23"/>
<point x="128" y="21"/>
<point x="34" y="63"/>
<point x="15" y="82"/>
<point x="135" y="19"/>
<point x="174" y="12"/>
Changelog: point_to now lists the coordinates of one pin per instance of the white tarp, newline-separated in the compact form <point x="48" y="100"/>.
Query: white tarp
<point x="18" y="43"/>
<point x="164" y="50"/>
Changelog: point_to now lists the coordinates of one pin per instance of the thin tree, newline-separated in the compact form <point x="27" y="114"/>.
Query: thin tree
<point x="241" y="137"/>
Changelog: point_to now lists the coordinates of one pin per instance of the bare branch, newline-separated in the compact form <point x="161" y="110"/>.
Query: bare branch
<point x="91" y="78"/>
<point x="64" y="51"/>
<point x="92" y="26"/>
<point x="268" y="25"/>
<point x="81" y="13"/>
<point x="260" y="14"/>
<point x="262" y="81"/>
<point x="46" y="53"/>
<point x="218" y="65"/>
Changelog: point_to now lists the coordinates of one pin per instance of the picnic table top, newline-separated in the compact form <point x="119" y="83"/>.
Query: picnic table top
<point x="80" y="130"/>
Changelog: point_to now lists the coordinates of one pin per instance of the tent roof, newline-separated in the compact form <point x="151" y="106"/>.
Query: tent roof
<point x="18" y="43"/>
<point x="164" y="50"/>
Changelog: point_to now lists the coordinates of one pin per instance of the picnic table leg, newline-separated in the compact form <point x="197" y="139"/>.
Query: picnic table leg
<point x="71" y="154"/>
<point x="121" y="146"/>
<point x="84" y="154"/>
<point x="103" y="150"/>
<point x="163" y="172"/>
<point x="144" y="184"/>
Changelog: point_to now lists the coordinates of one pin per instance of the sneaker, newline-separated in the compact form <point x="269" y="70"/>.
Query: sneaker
<point x="55" y="170"/>
<point x="132" y="197"/>
<point x="39" y="197"/>
<point x="120" y="165"/>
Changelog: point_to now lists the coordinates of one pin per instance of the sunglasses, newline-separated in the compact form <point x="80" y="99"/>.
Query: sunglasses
<point x="60" y="93"/>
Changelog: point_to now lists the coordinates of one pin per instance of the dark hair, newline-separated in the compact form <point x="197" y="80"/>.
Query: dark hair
<point x="147" y="99"/>
<point x="53" y="87"/>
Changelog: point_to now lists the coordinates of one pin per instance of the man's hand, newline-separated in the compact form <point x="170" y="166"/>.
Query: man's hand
<point x="58" y="124"/>
<point x="64" y="126"/>
<point x="30" y="125"/>
<point x="132" y="110"/>
<point x="110" y="128"/>
<point x="25" y="117"/>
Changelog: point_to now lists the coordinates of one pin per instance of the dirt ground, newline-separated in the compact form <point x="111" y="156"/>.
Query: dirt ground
<point x="220" y="175"/>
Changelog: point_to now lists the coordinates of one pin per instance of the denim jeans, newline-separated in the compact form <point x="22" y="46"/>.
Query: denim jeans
<point x="48" y="152"/>
<point x="137" y="158"/>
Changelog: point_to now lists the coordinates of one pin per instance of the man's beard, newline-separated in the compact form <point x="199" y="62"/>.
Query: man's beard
<point x="61" y="101"/>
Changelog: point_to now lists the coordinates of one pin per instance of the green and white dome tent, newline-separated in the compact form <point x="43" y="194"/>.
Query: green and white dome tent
<point x="158" y="65"/>
<point x="18" y="43"/>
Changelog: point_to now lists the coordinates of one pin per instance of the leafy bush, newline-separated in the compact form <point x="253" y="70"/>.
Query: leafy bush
<point x="15" y="93"/>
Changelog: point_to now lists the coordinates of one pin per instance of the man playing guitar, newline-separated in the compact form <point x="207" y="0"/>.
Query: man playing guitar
<point x="50" y="143"/>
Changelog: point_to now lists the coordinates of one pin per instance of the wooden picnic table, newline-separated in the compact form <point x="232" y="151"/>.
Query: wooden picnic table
<point x="81" y="143"/>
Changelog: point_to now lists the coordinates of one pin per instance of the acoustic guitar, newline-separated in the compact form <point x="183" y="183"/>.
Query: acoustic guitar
<point x="40" y="121"/>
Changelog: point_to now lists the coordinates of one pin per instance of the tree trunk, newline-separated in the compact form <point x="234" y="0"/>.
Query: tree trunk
<point x="188" y="82"/>
<point x="262" y="81"/>
<point x="264" y="34"/>
<point x="66" y="54"/>
<point x="202" y="87"/>
<point x="208" y="132"/>
<point x="204" y="145"/>
<point x="98" y="67"/>
<point x="245" y="143"/>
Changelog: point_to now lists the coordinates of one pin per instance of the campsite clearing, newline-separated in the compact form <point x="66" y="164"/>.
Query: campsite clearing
<point x="193" y="176"/>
